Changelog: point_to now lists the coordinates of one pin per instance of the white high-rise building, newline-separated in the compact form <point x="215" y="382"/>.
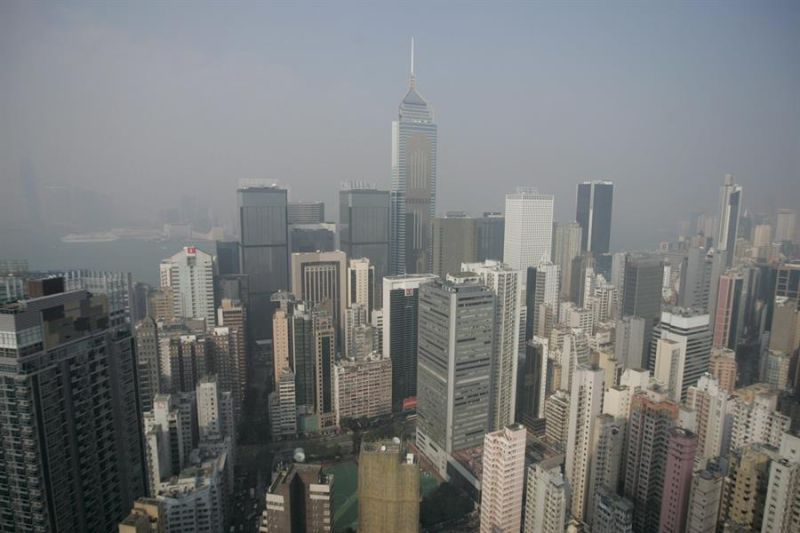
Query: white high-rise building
<point x="190" y="276"/>
<point x="503" y="479"/>
<point x="785" y="225"/>
<point x="608" y="441"/>
<point x="546" y="498"/>
<point x="782" y="509"/>
<point x="566" y="247"/>
<point x="528" y="237"/>
<point x="214" y="411"/>
<point x="506" y="284"/>
<point x="413" y="195"/>
<point x="585" y="405"/>
<point x="361" y="284"/>
<point x="756" y="418"/>
<point x="713" y="415"/>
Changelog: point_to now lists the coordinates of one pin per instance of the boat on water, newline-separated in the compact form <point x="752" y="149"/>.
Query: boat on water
<point x="89" y="237"/>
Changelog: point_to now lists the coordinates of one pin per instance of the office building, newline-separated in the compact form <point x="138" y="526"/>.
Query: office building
<point x="324" y="335"/>
<point x="593" y="213"/>
<point x="308" y="238"/>
<point x="117" y="287"/>
<point x="629" y="348"/>
<point x="490" y="232"/>
<point x="506" y="284"/>
<point x="361" y="284"/>
<point x="363" y="387"/>
<point x="785" y="225"/>
<point x="190" y="276"/>
<point x="231" y="348"/>
<point x="645" y="458"/>
<point x="566" y="249"/>
<point x="700" y="273"/>
<point x="228" y="258"/>
<point x="75" y="418"/>
<point x="283" y="407"/>
<point x="785" y="327"/>
<point x="585" y="405"/>
<point x="534" y="381"/>
<point x="400" y="319"/>
<point x="680" y="350"/>
<point x="454" y="242"/>
<point x="541" y="296"/>
<point x="641" y="294"/>
<point x="300" y="498"/>
<point x="264" y="244"/>
<point x="455" y="347"/>
<point x="305" y="212"/>
<point x="782" y="509"/>
<point x="681" y="447"/>
<point x="546" y="498"/>
<point x="364" y="227"/>
<point x="502" y="479"/>
<point x="413" y="195"/>
<point x="319" y="278"/>
<point x="528" y="238"/>
<point x="388" y="488"/>
<point x="730" y="308"/>
<point x="730" y="207"/>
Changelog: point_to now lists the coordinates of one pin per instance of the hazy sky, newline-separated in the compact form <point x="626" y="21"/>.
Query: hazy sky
<point x="143" y="100"/>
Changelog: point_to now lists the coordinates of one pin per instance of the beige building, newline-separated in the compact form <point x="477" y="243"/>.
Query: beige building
<point x="388" y="489"/>
<point x="782" y="510"/>
<point x="503" y="479"/>
<point x="711" y="406"/>
<point x="147" y="516"/>
<point x="363" y="387"/>
<point x="301" y="490"/>
<point x="748" y="500"/>
<point x="722" y="366"/>
<point x="546" y="497"/>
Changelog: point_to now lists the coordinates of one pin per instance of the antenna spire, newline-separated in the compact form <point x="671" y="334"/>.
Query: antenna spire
<point x="413" y="81"/>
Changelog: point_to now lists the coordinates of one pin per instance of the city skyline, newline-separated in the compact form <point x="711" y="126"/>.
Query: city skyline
<point x="690" y="149"/>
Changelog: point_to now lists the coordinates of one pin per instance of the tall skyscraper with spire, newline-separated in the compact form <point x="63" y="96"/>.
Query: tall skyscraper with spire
<point x="730" y="206"/>
<point x="413" y="195"/>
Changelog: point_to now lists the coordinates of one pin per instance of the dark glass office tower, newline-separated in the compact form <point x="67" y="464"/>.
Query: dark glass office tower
<point x="72" y="457"/>
<point x="264" y="252"/>
<point x="595" y="199"/>
<point x="490" y="236"/>
<point x="364" y="227"/>
<point x="227" y="257"/>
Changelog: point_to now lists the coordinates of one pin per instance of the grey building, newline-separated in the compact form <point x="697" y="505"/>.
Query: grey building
<point x="305" y="212"/>
<point x="454" y="240"/>
<point x="305" y="238"/>
<point x="72" y="457"/>
<point x="227" y="262"/>
<point x="264" y="240"/>
<point x="643" y="279"/>
<point x="454" y="366"/>
<point x="566" y="249"/>
<point x="364" y="227"/>
<point x="490" y="233"/>
<point x="413" y="196"/>
<point x="730" y="209"/>
<point x="700" y="272"/>
<point x="593" y="213"/>
<point x="400" y="319"/>
<point x="147" y="363"/>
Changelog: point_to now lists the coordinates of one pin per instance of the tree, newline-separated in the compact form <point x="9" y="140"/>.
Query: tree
<point x="446" y="502"/>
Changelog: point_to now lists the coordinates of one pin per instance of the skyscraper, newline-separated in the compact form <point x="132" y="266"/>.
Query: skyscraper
<point x="264" y="234"/>
<point x="305" y="212"/>
<point x="700" y="273"/>
<point x="710" y="403"/>
<point x="689" y="338"/>
<point x="607" y="444"/>
<point x="490" y="230"/>
<point x="319" y="277"/>
<point x="364" y="227"/>
<point x="190" y="276"/>
<point x="148" y="370"/>
<point x="300" y="498"/>
<point x="324" y="333"/>
<point x="730" y="307"/>
<point x="730" y="206"/>
<point x="388" y="489"/>
<point x="785" y="225"/>
<point x="782" y="510"/>
<point x="506" y="284"/>
<point x="541" y="291"/>
<point x="72" y="456"/>
<point x="453" y="242"/>
<point x="413" y="196"/>
<point x="585" y="405"/>
<point x="455" y="349"/>
<point x="361" y="288"/>
<point x="528" y="237"/>
<point x="502" y="479"/>
<point x="593" y="213"/>
<point x="400" y="318"/>
<point x="566" y="248"/>
<point x="643" y="279"/>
